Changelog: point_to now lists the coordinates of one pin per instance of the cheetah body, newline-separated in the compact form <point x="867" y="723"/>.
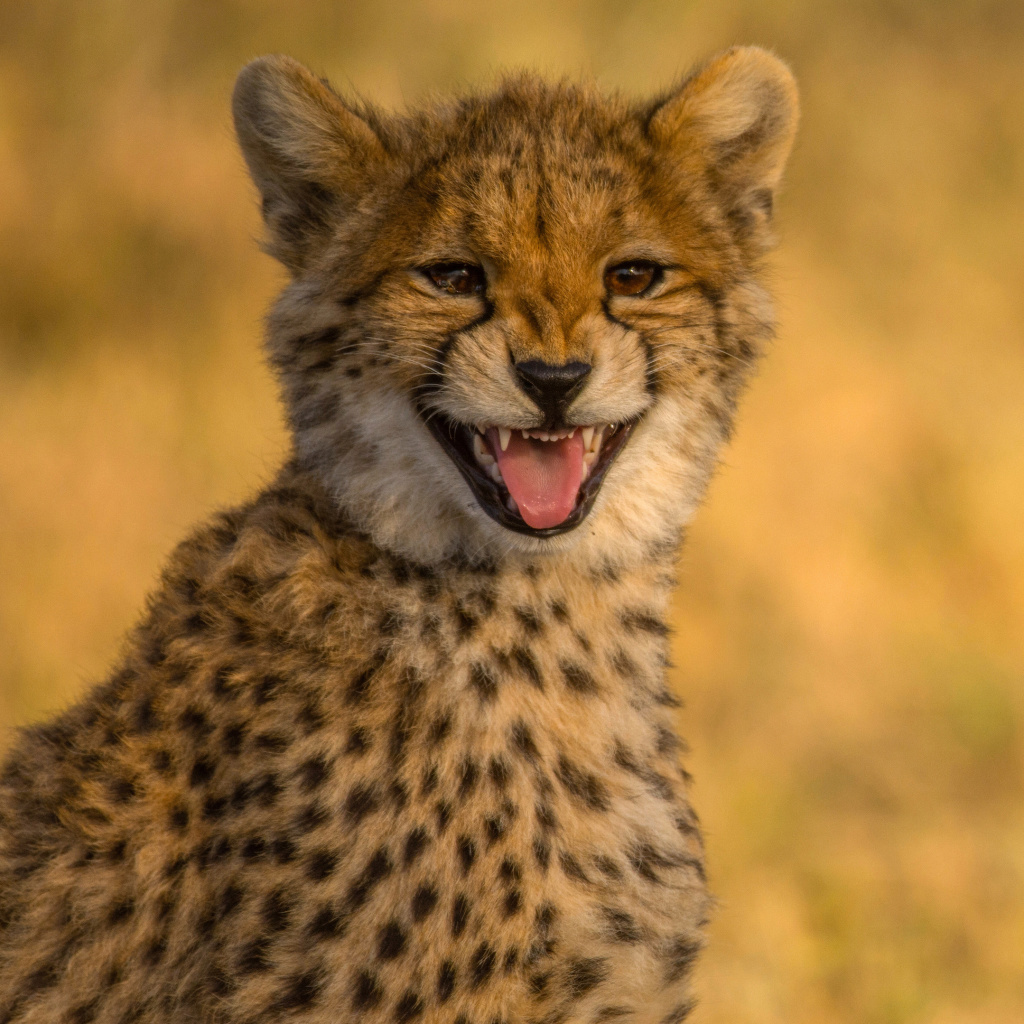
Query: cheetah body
<point x="370" y="755"/>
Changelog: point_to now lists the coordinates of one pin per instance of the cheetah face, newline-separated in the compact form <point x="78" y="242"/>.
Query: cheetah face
<point x="522" y="313"/>
<point x="537" y="471"/>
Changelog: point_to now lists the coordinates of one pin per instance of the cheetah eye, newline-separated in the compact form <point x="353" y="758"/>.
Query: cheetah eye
<point x="456" y="278"/>
<point x="632" y="278"/>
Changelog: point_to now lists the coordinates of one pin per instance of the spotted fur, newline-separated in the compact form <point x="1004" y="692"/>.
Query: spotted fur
<point x="370" y="756"/>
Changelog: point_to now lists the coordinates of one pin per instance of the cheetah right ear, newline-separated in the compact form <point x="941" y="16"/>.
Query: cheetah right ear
<point x="309" y="154"/>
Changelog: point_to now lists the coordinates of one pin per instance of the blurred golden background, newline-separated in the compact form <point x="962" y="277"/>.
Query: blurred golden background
<point x="850" y="623"/>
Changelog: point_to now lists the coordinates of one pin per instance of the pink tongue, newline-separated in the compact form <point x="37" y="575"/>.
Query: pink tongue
<point x="542" y="476"/>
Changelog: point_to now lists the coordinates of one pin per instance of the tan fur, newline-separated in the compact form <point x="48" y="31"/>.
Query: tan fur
<point x="370" y="755"/>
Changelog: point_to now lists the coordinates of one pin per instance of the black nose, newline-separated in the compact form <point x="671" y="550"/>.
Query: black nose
<point x="552" y="387"/>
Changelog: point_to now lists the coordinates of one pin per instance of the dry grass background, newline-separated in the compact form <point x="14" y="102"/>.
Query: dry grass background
<point x="850" y="624"/>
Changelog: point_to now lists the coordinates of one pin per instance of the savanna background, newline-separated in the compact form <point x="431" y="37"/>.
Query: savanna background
<point x="850" y="622"/>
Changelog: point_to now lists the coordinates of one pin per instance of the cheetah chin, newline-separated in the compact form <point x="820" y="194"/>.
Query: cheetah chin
<point x="536" y="482"/>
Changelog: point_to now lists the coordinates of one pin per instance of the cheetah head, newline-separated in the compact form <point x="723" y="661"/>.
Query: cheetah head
<point x="519" y="321"/>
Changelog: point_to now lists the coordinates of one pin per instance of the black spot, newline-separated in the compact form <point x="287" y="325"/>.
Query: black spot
<point x="483" y="680"/>
<point x="359" y="687"/>
<point x="460" y="915"/>
<point x="522" y="741"/>
<point x="366" y="991"/>
<point x="423" y="902"/>
<point x="680" y="957"/>
<point x="546" y="818"/>
<point x="254" y="957"/>
<point x="267" y="689"/>
<point x="84" y="1013"/>
<point x="545" y="917"/>
<point x="513" y="903"/>
<point x="254" y="848"/>
<point x="121" y="910"/>
<point x="621" y="926"/>
<point x="314" y="772"/>
<point x="301" y="990"/>
<point x="542" y="853"/>
<point x="510" y="871"/>
<point x="277" y="910"/>
<point x="202" y="772"/>
<point x="311" y="817"/>
<point x="415" y="844"/>
<point x="644" y="858"/>
<point x="440" y="729"/>
<point x="525" y="660"/>
<point x="122" y="789"/>
<point x="178" y="818"/>
<point x="639" y="621"/>
<point x="495" y="828"/>
<point x="577" y="678"/>
<point x="232" y="737"/>
<point x="358" y="741"/>
<point x="529" y="620"/>
<point x="469" y="774"/>
<point x="270" y="742"/>
<point x="363" y="800"/>
<point x="499" y="771"/>
<point x="482" y="964"/>
<point x="429" y="781"/>
<point x="446" y="981"/>
<point x="390" y="941"/>
<point x="283" y="849"/>
<point x="584" y="974"/>
<point x="231" y="899"/>
<point x="607" y="866"/>
<point x="583" y="785"/>
<point x="267" y="790"/>
<point x="511" y="959"/>
<point x="467" y="852"/>
<point x="310" y="717"/>
<point x="465" y="621"/>
<point x="679" y="1013"/>
<point x="571" y="866"/>
<point x="144" y="717"/>
<point x="408" y="1007"/>
<point x="321" y="865"/>
<point x="192" y="720"/>
<point x="444" y="814"/>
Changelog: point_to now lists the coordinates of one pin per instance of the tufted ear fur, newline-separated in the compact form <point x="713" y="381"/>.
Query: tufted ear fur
<point x="309" y="154"/>
<point x="739" y="113"/>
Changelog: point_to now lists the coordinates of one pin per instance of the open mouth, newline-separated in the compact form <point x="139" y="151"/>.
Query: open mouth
<point x="538" y="482"/>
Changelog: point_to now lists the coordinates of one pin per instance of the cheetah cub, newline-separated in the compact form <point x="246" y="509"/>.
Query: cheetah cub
<point x="392" y="742"/>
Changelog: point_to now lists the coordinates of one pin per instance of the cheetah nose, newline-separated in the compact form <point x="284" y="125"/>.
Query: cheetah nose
<point x="552" y="387"/>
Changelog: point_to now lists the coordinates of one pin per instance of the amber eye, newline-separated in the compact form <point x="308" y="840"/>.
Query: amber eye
<point x="456" y="278"/>
<point x="633" y="278"/>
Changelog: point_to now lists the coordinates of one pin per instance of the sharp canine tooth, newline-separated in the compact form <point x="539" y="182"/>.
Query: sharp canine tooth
<point x="586" y="471"/>
<point x="494" y="473"/>
<point x="510" y="504"/>
<point x="588" y="437"/>
<point x="504" y="436"/>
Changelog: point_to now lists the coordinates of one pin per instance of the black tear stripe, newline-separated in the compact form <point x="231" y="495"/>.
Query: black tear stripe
<point x="652" y="380"/>
<point x="434" y="378"/>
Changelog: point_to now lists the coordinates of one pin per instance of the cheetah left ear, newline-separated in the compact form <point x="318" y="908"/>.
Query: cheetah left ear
<point x="738" y="114"/>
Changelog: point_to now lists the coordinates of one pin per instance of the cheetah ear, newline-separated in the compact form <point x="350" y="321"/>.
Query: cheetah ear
<point x="739" y="114"/>
<point x="310" y="156"/>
